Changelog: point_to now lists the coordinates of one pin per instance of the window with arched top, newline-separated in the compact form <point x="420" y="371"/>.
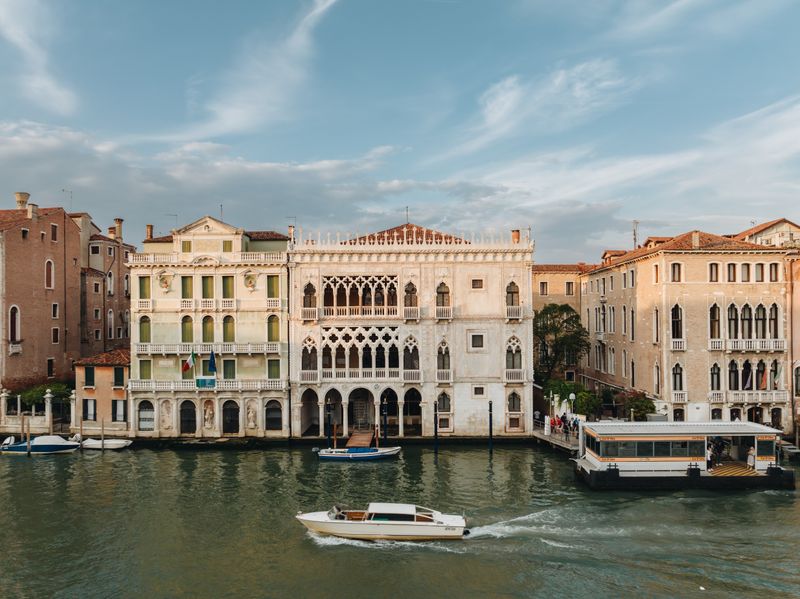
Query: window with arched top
<point x="773" y="322"/>
<point x="443" y="358"/>
<point x="677" y="378"/>
<point x="110" y="283"/>
<point x="410" y="354"/>
<point x="228" y="329"/>
<point x="308" y="358"/>
<point x="747" y="322"/>
<point x="761" y="322"/>
<point x="126" y="285"/>
<point x="714" y="330"/>
<point x="514" y="403"/>
<point x="443" y="402"/>
<point x="733" y="376"/>
<point x="677" y="322"/>
<point x="657" y="379"/>
<point x="761" y="376"/>
<point x="410" y="296"/>
<point x="309" y="296"/>
<point x="14" y="325"/>
<point x="747" y="376"/>
<point x="110" y="324"/>
<point x="513" y="354"/>
<point x="49" y="278"/>
<point x="774" y="377"/>
<point x="273" y="416"/>
<point x="716" y="380"/>
<point x="144" y="329"/>
<point x="442" y="295"/>
<point x="187" y="329"/>
<point x="208" y="329"/>
<point x="273" y="329"/>
<point x="512" y="294"/>
<point x="733" y="322"/>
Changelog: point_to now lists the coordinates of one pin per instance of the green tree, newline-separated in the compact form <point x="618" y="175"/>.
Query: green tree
<point x="558" y="333"/>
<point x="34" y="395"/>
<point x="636" y="401"/>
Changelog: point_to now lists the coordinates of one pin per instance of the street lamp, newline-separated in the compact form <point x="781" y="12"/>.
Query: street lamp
<point x="572" y="402"/>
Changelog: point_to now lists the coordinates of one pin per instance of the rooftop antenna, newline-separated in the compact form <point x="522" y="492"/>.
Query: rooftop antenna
<point x="69" y="191"/>
<point x="176" y="219"/>
<point x="220" y="213"/>
<point x="407" y="219"/>
<point x="635" y="234"/>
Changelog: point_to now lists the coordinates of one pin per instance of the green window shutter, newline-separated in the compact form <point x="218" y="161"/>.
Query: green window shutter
<point x="206" y="368"/>
<point x="227" y="245"/>
<point x="186" y="246"/>
<point x="273" y="329"/>
<point x="274" y="369"/>
<point x="144" y="287"/>
<point x="88" y="376"/>
<point x="145" y="370"/>
<point x="144" y="330"/>
<point x="227" y="287"/>
<point x="208" y="330"/>
<point x="229" y="369"/>
<point x="208" y="287"/>
<point x="119" y="376"/>
<point x="187" y="330"/>
<point x="228" y="330"/>
<point x="273" y="287"/>
<point x="187" y="287"/>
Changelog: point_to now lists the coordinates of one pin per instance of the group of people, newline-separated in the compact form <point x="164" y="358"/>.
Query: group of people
<point x="565" y="424"/>
<point x="716" y="449"/>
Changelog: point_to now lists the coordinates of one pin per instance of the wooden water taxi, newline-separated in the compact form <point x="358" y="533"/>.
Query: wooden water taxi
<point x="673" y="455"/>
<point x="386" y="521"/>
<point x="357" y="454"/>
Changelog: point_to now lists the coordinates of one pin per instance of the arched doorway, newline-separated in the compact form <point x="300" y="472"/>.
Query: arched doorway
<point x="333" y="406"/>
<point x="273" y="416"/>
<point x="230" y="418"/>
<point x="678" y="415"/>
<point x="776" y="418"/>
<point x="390" y="406"/>
<point x="736" y="414"/>
<point x="146" y="416"/>
<point x="361" y="410"/>
<point x="755" y="414"/>
<point x="309" y="414"/>
<point x="188" y="414"/>
<point x="412" y="413"/>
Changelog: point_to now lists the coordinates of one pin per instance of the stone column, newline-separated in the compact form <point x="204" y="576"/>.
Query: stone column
<point x="400" y="404"/>
<point x="48" y="410"/>
<point x="4" y="401"/>
<point x="321" y="405"/>
<point x="345" y="424"/>
<point x="73" y="403"/>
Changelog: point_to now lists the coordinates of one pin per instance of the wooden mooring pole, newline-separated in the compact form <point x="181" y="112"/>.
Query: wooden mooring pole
<point x="28" y="421"/>
<point x="102" y="434"/>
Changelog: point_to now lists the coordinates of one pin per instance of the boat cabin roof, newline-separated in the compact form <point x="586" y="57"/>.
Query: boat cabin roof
<point x="393" y="508"/>
<point x="711" y="429"/>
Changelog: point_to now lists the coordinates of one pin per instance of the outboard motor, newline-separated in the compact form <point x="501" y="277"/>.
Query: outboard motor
<point x="7" y="441"/>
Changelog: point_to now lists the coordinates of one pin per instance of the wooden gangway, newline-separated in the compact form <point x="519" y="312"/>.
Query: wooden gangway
<point x="360" y="439"/>
<point x="557" y="440"/>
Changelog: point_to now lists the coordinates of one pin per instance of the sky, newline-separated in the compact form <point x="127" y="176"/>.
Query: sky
<point x="572" y="118"/>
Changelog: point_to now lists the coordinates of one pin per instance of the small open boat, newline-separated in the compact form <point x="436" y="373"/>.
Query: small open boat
<point x="388" y="521"/>
<point x="357" y="454"/>
<point x="45" y="444"/>
<point x="106" y="443"/>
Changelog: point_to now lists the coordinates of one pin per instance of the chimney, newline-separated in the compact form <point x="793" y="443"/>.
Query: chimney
<point x="33" y="211"/>
<point x="291" y="232"/>
<point x="695" y="239"/>
<point x="148" y="232"/>
<point x="118" y="227"/>
<point x="112" y="232"/>
<point x="514" y="235"/>
<point x="22" y="199"/>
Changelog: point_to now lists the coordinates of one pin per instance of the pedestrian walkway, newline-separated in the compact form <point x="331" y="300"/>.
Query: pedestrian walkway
<point x="360" y="439"/>
<point x="557" y="439"/>
<point x="733" y="469"/>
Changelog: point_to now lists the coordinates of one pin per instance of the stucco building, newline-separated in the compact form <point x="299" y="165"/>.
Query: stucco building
<point x="100" y="403"/>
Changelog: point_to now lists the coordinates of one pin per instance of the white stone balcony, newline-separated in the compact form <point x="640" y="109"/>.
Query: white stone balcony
<point x="187" y="304"/>
<point x="271" y="347"/>
<point x="780" y="396"/>
<point x="716" y="344"/>
<point x="514" y="375"/>
<point x="411" y="313"/>
<point x="361" y="374"/>
<point x="309" y="376"/>
<point x="678" y="344"/>
<point x="444" y="313"/>
<point x="359" y="312"/>
<point x="309" y="313"/>
<point x="144" y="305"/>
<point x="680" y="397"/>
<point x="600" y="335"/>
<point x="208" y="304"/>
<point x="14" y="348"/>
<point x="412" y="376"/>
<point x="273" y="303"/>
<point x="513" y="312"/>
<point x="228" y="303"/>
<point x="756" y="345"/>
<point x="223" y="257"/>
<point x="716" y="396"/>
<point x="207" y="384"/>
<point x="444" y="376"/>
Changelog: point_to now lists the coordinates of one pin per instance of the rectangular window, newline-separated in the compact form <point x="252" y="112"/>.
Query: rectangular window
<point x="88" y="376"/>
<point x="97" y="334"/>
<point x="661" y="449"/>
<point x="773" y="272"/>
<point x="227" y="286"/>
<point x="119" y="332"/>
<point x="632" y="278"/>
<point x="676" y="272"/>
<point x="759" y="273"/>
<point x="227" y="245"/>
<point x="97" y="313"/>
<point x="208" y="286"/>
<point x="603" y="286"/>
<point x="206" y="368"/>
<point x="765" y="448"/>
<point x="229" y="369"/>
<point x="145" y="370"/>
<point x="144" y="287"/>
<point x="186" y="247"/>
<point x="187" y="287"/>
<point x="655" y="273"/>
<point x="624" y="280"/>
<point x="745" y="273"/>
<point x="53" y="232"/>
<point x="54" y="310"/>
<point x="713" y="272"/>
<point x="273" y="369"/>
<point x="680" y="448"/>
<point x="119" y="376"/>
<point x="273" y="286"/>
<point x="25" y="233"/>
<point x="731" y="273"/>
<point x="569" y="288"/>
<point x="476" y="341"/>
<point x="478" y="391"/>
<point x="94" y="250"/>
<point x="644" y="449"/>
<point x="119" y="412"/>
<point x="110" y="251"/>
<point x="611" y="282"/>
<point x="543" y="288"/>
<point x="477" y="283"/>
<point x="51" y="367"/>
<point x="54" y="334"/>
<point x="89" y="409"/>
<point x="96" y="287"/>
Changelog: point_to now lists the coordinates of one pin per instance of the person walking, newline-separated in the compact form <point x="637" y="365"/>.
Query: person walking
<point x="751" y="458"/>
<point x="710" y="458"/>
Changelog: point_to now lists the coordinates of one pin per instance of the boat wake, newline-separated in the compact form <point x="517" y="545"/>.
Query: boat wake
<point x="330" y="541"/>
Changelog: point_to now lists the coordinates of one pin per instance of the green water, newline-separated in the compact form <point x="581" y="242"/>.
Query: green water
<point x="166" y="523"/>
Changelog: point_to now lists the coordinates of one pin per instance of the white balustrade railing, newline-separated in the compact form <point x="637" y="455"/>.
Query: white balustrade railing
<point x="361" y="374"/>
<point x="514" y="375"/>
<point x="411" y="313"/>
<point x="208" y="384"/>
<point x="273" y="303"/>
<point x="187" y="304"/>
<point x="444" y="376"/>
<point x="227" y="303"/>
<point x="309" y="376"/>
<point x="208" y="304"/>
<point x="680" y="397"/>
<point x="224" y="258"/>
<point x="756" y="344"/>
<point x="679" y="345"/>
<point x="716" y="396"/>
<point x="144" y="304"/>
<point x="358" y="312"/>
<point x="271" y="347"/>
<point x="309" y="313"/>
<point x="14" y="348"/>
<point x="777" y="396"/>
<point x="716" y="344"/>
<point x="412" y="376"/>
<point x="444" y="312"/>
<point x="514" y="312"/>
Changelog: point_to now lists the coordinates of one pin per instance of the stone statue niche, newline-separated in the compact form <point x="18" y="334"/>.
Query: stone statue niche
<point x="251" y="415"/>
<point x="208" y="414"/>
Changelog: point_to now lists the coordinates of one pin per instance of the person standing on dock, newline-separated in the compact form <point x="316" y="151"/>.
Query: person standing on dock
<point x="751" y="459"/>
<point x="709" y="458"/>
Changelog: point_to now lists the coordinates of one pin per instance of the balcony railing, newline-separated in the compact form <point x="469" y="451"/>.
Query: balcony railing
<point x="679" y="345"/>
<point x="144" y="304"/>
<point x="514" y="312"/>
<point x="756" y="344"/>
<point x="187" y="304"/>
<point x="412" y="376"/>
<point x="758" y="396"/>
<point x="309" y="376"/>
<point x="208" y="385"/>
<point x="360" y="312"/>
<point x="14" y="348"/>
<point x="444" y="312"/>
<point x="309" y="313"/>
<point x="514" y="375"/>
<point x="361" y="374"/>
<point x="680" y="397"/>
<point x="411" y="313"/>
<point x="273" y="303"/>
<point x="600" y="335"/>
<point x="716" y="344"/>
<point x="208" y="304"/>
<point x="716" y="396"/>
<point x="444" y="376"/>
<point x="228" y="303"/>
<point x="271" y="347"/>
<point x="224" y="258"/>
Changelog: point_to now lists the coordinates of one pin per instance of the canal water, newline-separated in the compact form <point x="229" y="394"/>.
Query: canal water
<point x="164" y="523"/>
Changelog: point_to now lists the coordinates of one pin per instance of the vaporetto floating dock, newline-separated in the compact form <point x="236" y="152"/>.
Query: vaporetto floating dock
<point x="672" y="455"/>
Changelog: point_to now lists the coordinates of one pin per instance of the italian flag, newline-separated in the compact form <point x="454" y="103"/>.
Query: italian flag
<point x="188" y="364"/>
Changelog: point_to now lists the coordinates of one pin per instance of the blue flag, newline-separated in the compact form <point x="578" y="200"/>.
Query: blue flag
<point x="212" y="363"/>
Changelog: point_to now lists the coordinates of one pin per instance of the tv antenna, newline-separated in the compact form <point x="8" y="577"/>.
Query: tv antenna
<point x="69" y="191"/>
<point x="635" y="234"/>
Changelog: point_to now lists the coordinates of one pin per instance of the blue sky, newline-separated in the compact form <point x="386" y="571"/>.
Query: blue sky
<point x="571" y="117"/>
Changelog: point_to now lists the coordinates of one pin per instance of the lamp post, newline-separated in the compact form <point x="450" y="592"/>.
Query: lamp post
<point x="572" y="402"/>
<point x="328" y="420"/>
<point x="436" y="426"/>
<point x="385" y="409"/>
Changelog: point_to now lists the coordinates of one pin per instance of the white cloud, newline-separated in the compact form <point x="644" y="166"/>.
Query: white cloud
<point x="27" y="25"/>
<point x="261" y="86"/>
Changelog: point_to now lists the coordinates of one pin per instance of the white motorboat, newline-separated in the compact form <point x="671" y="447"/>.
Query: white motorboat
<point x="45" y="444"/>
<point x="357" y="454"/>
<point x="387" y="521"/>
<point x="106" y="443"/>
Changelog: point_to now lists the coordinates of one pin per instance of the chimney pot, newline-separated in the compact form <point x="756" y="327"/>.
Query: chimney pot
<point x="118" y="227"/>
<point x="514" y="235"/>
<point x="291" y="232"/>
<point x="112" y="232"/>
<point x="22" y="199"/>
<point x="148" y="232"/>
<point x="695" y="239"/>
<point x="33" y="211"/>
